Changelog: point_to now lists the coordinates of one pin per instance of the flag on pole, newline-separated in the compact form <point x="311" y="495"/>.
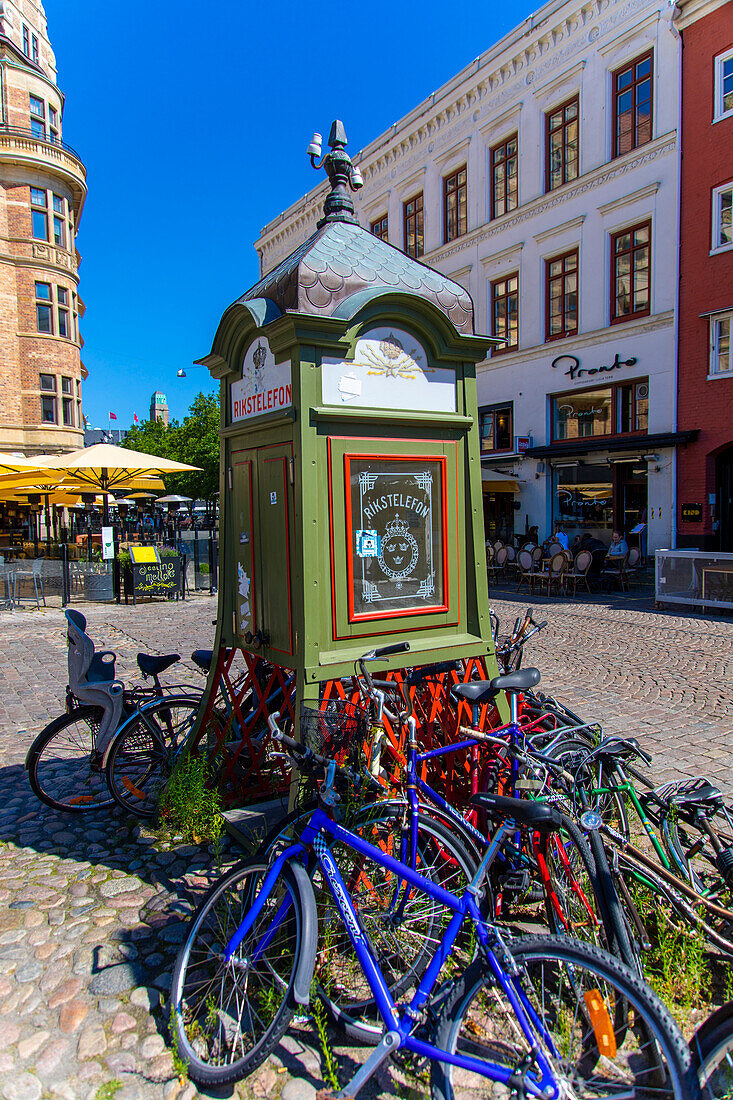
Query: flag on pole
<point x="86" y="420"/>
<point x="112" y="416"/>
<point x="135" y="419"/>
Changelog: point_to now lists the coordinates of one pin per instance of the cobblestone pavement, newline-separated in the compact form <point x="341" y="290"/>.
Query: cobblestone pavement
<point x="92" y="907"/>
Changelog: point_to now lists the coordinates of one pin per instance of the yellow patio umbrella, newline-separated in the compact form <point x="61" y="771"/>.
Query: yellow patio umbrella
<point x="104" y="467"/>
<point x="13" y="464"/>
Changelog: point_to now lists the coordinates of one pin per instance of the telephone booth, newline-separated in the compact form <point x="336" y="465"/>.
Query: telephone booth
<point x="351" y="501"/>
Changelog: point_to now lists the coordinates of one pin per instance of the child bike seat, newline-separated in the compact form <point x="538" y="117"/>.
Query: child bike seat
<point x="91" y="677"/>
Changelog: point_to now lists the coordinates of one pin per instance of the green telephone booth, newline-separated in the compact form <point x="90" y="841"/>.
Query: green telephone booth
<point x="351" y="510"/>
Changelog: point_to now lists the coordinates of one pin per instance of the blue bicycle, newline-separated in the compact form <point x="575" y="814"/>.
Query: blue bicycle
<point x="543" y="1017"/>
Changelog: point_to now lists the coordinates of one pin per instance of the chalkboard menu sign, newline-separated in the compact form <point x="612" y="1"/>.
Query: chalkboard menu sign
<point x="161" y="578"/>
<point x="396" y="513"/>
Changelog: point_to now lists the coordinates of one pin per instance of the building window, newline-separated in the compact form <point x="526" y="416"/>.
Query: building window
<point x="62" y="311"/>
<point x="59" y="221"/>
<point x="75" y="330"/>
<point x="413" y="220"/>
<point x="720" y="360"/>
<point x="622" y="409"/>
<point x="723" y="216"/>
<point x="723" y="85"/>
<point x="562" y="145"/>
<point x="48" y="398"/>
<point x="67" y="384"/>
<point x="67" y="411"/>
<point x="632" y="105"/>
<point x="53" y="125"/>
<point x="561" y="296"/>
<point x="26" y="41"/>
<point x="496" y="429"/>
<point x="34" y="48"/>
<point x="44" y="312"/>
<point x="630" y="268"/>
<point x="505" y="312"/>
<point x="455" y="205"/>
<point x="504" y="176"/>
<point x="380" y="228"/>
<point x="38" y="117"/>
<point x="39" y="213"/>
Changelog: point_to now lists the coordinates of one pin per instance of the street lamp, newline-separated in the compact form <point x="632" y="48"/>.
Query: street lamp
<point x="341" y="173"/>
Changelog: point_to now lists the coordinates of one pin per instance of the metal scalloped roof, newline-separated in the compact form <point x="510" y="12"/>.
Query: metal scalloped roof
<point x="341" y="259"/>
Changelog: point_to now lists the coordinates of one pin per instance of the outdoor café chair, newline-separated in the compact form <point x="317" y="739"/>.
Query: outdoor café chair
<point x="537" y="556"/>
<point x="500" y="561"/>
<point x="35" y="574"/>
<point x="579" y="571"/>
<point x="633" y="563"/>
<point x="614" y="572"/>
<point x="556" y="569"/>
<point x="6" y="575"/>
<point x="554" y="548"/>
<point x="527" y="571"/>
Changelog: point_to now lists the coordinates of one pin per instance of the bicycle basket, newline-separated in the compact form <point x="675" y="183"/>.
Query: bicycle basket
<point x="337" y="729"/>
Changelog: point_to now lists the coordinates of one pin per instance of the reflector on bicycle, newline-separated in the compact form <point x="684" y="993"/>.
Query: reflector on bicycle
<point x="601" y="1022"/>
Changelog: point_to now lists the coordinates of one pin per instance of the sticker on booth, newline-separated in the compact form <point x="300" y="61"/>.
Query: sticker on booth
<point x="390" y="370"/>
<point x="396" y="521"/>
<point x="265" y="386"/>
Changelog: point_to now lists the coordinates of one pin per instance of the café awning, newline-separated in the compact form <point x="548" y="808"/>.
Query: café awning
<point x="494" y="482"/>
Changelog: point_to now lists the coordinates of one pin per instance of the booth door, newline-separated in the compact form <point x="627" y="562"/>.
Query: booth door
<point x="263" y="515"/>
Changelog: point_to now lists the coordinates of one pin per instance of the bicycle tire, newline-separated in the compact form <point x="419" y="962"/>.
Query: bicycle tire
<point x="139" y="760"/>
<point x="205" y="1032"/>
<point x="615" y="919"/>
<point x="553" y="973"/>
<point x="712" y="1054"/>
<point x="702" y="873"/>
<point x="64" y="767"/>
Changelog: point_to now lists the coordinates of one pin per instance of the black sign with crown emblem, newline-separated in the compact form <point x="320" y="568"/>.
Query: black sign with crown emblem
<point x="396" y="535"/>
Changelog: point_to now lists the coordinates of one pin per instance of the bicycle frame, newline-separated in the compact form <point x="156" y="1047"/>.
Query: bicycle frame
<point x="400" y="1021"/>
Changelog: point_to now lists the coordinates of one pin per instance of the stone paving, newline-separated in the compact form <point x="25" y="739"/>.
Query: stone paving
<point x="93" y="907"/>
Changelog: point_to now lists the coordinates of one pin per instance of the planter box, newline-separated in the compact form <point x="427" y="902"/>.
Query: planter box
<point x="99" y="586"/>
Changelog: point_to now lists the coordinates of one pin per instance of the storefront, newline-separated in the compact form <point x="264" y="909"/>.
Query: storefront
<point x="501" y="501"/>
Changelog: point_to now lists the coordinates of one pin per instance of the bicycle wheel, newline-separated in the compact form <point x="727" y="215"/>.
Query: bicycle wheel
<point x="64" y="767"/>
<point x="575" y="993"/>
<point x="692" y="851"/>
<point x="712" y="1054"/>
<point x="139" y="759"/>
<point x="226" y="1017"/>
<point x="404" y="925"/>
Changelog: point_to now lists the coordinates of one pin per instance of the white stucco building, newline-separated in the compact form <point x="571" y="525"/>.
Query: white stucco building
<point x="544" y="179"/>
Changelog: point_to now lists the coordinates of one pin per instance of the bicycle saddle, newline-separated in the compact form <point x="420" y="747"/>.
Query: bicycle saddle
<point x="151" y="665"/>
<point x="483" y="691"/>
<point x="536" y="815"/>
<point x="614" y="749"/>
<point x="204" y="657"/>
<point x="704" y="795"/>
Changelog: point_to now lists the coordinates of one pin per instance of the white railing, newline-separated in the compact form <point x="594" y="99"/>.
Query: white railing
<point x="694" y="578"/>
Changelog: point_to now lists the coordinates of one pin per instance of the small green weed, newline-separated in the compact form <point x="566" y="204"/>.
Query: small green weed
<point x="330" y="1062"/>
<point x="189" y="806"/>
<point x="180" y="1065"/>
<point x="108" y="1090"/>
<point x="676" y="967"/>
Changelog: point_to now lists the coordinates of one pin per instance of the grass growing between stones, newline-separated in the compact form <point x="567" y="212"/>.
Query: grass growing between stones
<point x="108" y="1090"/>
<point x="190" y="805"/>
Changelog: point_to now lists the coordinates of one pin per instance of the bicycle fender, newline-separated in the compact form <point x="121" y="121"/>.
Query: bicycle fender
<point x="307" y="960"/>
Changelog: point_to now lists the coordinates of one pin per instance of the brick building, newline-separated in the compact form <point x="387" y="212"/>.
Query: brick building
<point x="705" y="470"/>
<point x="42" y="191"/>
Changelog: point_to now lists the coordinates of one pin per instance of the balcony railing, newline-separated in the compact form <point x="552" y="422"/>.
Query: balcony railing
<point x="31" y="135"/>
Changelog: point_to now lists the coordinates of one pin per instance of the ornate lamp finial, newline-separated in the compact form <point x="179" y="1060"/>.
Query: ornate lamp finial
<point x="338" y="206"/>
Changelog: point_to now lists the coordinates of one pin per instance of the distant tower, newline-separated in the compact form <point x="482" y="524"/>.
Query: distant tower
<point x="159" y="407"/>
<point x="42" y="191"/>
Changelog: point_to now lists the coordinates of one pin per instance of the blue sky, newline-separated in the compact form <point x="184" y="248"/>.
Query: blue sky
<point x="193" y="122"/>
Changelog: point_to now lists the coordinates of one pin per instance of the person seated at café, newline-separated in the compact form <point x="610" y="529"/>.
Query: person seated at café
<point x="558" y="535"/>
<point x="532" y="537"/>
<point x="619" y="547"/>
<point x="596" y="548"/>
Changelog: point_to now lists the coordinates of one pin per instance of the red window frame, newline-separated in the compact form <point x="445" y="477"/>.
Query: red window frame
<point x="565" y="277"/>
<point x="637" y="135"/>
<point x="500" y="292"/>
<point x="615" y="388"/>
<point x="616" y="253"/>
<point x="380" y="227"/>
<point x="455" y="205"/>
<point x="414" y="226"/>
<point x="557" y="121"/>
<point x="501" y="157"/>
<point x="493" y="411"/>
<point x="398" y="613"/>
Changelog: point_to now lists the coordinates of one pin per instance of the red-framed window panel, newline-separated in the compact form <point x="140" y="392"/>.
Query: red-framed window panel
<point x="496" y="424"/>
<point x="562" y="144"/>
<point x="561" y="295"/>
<point x="504" y="176"/>
<point x="380" y="228"/>
<point x="505" y="312"/>
<point x="617" y="409"/>
<point x="455" y="204"/>
<point x="631" y="273"/>
<point x="412" y="215"/>
<point x="633" y="104"/>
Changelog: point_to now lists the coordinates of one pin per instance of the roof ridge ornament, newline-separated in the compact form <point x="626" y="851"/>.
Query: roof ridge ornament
<point x="339" y="206"/>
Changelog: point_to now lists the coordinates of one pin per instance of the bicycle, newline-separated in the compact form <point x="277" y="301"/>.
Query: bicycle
<point x="540" y="1016"/>
<point x="712" y="1054"/>
<point x="65" y="762"/>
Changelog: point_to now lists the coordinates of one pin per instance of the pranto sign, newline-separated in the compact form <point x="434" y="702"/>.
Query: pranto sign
<point x="265" y="385"/>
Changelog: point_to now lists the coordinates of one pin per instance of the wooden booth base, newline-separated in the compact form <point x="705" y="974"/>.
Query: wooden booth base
<point x="246" y="690"/>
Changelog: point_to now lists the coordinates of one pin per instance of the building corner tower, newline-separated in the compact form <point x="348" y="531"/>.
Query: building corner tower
<point x="42" y="191"/>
